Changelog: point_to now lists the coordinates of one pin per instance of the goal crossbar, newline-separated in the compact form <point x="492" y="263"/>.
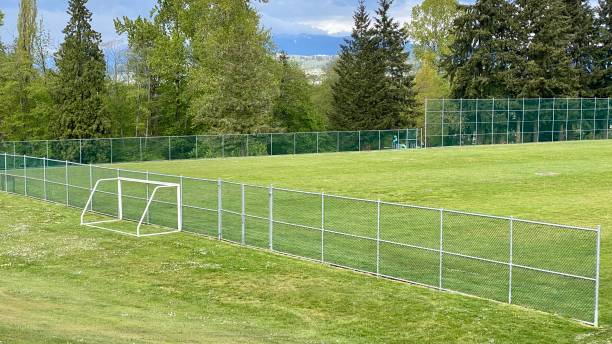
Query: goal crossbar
<point x="158" y="185"/>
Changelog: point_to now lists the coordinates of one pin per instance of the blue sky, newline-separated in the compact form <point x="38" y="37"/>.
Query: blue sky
<point x="282" y="17"/>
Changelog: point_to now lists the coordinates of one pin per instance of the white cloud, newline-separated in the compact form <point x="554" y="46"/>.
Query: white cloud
<point x="338" y="26"/>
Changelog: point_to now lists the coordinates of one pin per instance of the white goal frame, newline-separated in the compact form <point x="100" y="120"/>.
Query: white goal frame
<point x="120" y="180"/>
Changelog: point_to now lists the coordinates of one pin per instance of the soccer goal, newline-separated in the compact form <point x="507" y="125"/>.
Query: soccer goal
<point x="117" y="203"/>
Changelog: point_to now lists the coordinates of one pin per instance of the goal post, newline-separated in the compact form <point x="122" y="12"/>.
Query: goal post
<point x="150" y="199"/>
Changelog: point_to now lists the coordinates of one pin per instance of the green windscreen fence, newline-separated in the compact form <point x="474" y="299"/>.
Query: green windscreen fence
<point x="112" y="150"/>
<point x="458" y="122"/>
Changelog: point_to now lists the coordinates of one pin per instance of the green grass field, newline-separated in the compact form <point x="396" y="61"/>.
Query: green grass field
<point x="302" y="302"/>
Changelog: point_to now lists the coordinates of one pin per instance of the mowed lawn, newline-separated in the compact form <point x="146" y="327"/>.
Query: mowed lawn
<point x="63" y="283"/>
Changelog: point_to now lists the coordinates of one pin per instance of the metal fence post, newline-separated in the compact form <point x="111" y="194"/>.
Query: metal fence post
<point x="337" y="141"/>
<point x="47" y="148"/>
<point x="360" y="140"/>
<point x="6" y="173"/>
<point x="441" y="248"/>
<point x="169" y="148"/>
<point x="271" y="145"/>
<point x="111" y="150"/>
<point x="196" y="146"/>
<point x="426" y="112"/>
<point x="45" y="178"/>
<point x="378" y="237"/>
<point x="223" y="146"/>
<point x="493" y="121"/>
<point x="80" y="151"/>
<point x="442" y="125"/>
<point x="476" y="122"/>
<point x="552" y="129"/>
<point x="594" y="122"/>
<point x="508" y="123"/>
<point x="510" y="260"/>
<point x="539" y="107"/>
<point x="140" y="147"/>
<point x="608" y="121"/>
<point x="25" y="176"/>
<point x="566" y="119"/>
<point x="179" y="206"/>
<point x="294" y="143"/>
<point x="461" y="122"/>
<point x="66" y="181"/>
<point x="271" y="217"/>
<point x="322" y="227"/>
<point x="219" y="209"/>
<point x="523" y="123"/>
<point x="91" y="187"/>
<point x="597" y="268"/>
<point x="317" y="142"/>
<point x="243" y="216"/>
<point x="380" y="143"/>
<point x="581" y="118"/>
<point x="247" y="145"/>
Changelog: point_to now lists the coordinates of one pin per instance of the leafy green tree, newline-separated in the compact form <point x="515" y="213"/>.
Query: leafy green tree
<point x="233" y="82"/>
<point x="431" y="33"/>
<point x="80" y="78"/>
<point x="431" y="29"/>
<point x="323" y="97"/>
<point x="293" y="109"/>
<point x="485" y="59"/>
<point x="26" y="28"/>
<point x="159" y="61"/>
<point x="360" y="77"/>
<point x="397" y="105"/>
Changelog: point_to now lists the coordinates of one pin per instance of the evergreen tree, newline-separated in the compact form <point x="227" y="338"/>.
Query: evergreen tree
<point x="293" y="109"/>
<point x="80" y="78"/>
<point x="546" y="36"/>
<point x="582" y="36"/>
<point x="484" y="60"/>
<point x="600" y="81"/>
<point x="397" y="106"/>
<point x="360" y="78"/>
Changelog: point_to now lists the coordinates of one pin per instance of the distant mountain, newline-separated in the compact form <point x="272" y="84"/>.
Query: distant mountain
<point x="308" y="45"/>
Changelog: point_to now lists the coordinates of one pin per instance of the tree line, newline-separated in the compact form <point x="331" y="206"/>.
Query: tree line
<point x="208" y="66"/>
<point x="192" y="66"/>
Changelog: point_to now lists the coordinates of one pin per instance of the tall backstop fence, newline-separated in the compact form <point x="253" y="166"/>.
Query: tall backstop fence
<point x="550" y="267"/>
<point x="458" y="122"/>
<point x="111" y="150"/>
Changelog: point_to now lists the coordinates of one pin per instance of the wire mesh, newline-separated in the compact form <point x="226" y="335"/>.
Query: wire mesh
<point x="457" y="122"/>
<point x="554" y="268"/>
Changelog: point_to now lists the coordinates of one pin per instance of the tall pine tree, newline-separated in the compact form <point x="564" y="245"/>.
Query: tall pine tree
<point x="80" y="78"/>
<point x="484" y="61"/>
<point x="546" y="35"/>
<point x="582" y="37"/>
<point x="600" y="80"/>
<point x="360" y="77"/>
<point x="397" y="107"/>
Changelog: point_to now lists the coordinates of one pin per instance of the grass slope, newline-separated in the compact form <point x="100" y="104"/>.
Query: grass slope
<point x="64" y="283"/>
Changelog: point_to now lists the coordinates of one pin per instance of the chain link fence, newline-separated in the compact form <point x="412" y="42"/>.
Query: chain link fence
<point x="549" y="267"/>
<point x="112" y="150"/>
<point x="458" y="122"/>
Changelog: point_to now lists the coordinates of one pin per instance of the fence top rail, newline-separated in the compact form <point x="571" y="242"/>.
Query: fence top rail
<point x="209" y="135"/>
<point x="67" y="163"/>
<point x="496" y="99"/>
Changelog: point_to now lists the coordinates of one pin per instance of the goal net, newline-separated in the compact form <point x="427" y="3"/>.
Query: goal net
<point x="134" y="207"/>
